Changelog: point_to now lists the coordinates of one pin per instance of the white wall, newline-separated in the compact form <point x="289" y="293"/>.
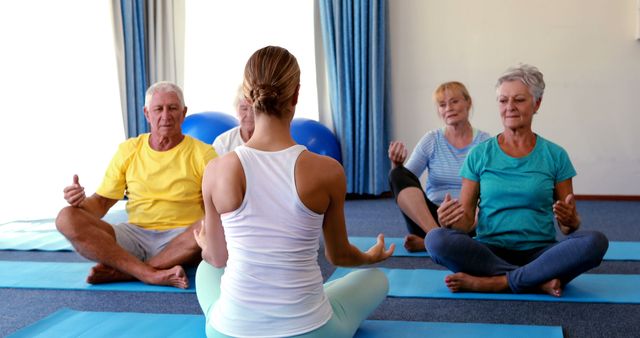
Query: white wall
<point x="585" y="48"/>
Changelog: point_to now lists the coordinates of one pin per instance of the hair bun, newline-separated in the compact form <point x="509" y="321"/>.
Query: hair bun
<point x="265" y="97"/>
<point x="271" y="80"/>
<point x="264" y="91"/>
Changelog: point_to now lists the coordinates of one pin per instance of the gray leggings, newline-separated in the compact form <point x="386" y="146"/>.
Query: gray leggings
<point x="526" y="270"/>
<point x="353" y="298"/>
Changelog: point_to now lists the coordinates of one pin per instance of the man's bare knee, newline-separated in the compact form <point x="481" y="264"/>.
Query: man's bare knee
<point x="63" y="218"/>
<point x="66" y="220"/>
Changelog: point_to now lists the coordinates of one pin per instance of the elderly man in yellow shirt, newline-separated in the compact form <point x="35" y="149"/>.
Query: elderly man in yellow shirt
<point x="160" y="173"/>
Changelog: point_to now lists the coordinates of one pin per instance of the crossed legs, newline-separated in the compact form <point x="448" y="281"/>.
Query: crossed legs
<point x="95" y="239"/>
<point x="353" y="298"/>
<point x="480" y="268"/>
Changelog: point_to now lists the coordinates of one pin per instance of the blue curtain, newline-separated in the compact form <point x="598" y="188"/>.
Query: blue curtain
<point x="135" y="55"/>
<point x="353" y="34"/>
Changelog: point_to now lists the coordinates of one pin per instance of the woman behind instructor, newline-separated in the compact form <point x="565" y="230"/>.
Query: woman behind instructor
<point x="239" y="135"/>
<point x="441" y="153"/>
<point x="266" y="205"/>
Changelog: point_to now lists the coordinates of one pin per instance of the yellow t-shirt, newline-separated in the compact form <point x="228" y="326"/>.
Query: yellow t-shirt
<point x="164" y="188"/>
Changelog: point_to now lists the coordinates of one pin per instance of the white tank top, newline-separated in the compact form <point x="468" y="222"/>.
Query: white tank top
<point x="272" y="285"/>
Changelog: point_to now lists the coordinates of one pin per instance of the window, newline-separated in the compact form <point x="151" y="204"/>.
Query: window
<point x="221" y="35"/>
<point x="60" y="102"/>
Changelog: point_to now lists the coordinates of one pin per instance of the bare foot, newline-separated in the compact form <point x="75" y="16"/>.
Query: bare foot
<point x="552" y="287"/>
<point x="414" y="243"/>
<point x="101" y="273"/>
<point x="174" y="276"/>
<point x="463" y="282"/>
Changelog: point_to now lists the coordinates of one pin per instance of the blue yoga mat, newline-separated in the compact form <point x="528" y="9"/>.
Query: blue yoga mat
<point x="364" y="243"/>
<point x="623" y="251"/>
<point x="403" y="329"/>
<point x="618" y="251"/>
<point x="70" y="323"/>
<point x="70" y="276"/>
<point x="586" y="288"/>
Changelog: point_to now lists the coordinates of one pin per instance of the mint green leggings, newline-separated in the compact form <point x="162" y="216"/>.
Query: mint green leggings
<point x="352" y="297"/>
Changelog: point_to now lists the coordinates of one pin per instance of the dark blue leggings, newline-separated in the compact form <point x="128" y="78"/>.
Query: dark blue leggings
<point x="526" y="270"/>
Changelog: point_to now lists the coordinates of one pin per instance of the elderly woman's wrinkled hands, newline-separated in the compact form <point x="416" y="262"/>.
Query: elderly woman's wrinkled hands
<point x="74" y="194"/>
<point x="566" y="214"/>
<point x="449" y="212"/>
<point x="397" y="153"/>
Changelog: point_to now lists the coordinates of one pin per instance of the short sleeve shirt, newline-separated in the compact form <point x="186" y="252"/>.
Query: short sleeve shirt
<point x="442" y="162"/>
<point x="517" y="194"/>
<point x="164" y="188"/>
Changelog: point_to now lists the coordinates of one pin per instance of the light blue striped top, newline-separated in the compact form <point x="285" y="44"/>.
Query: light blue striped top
<point x="442" y="162"/>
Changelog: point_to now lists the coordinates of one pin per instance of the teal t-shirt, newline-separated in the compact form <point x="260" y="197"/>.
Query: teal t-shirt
<point x="517" y="194"/>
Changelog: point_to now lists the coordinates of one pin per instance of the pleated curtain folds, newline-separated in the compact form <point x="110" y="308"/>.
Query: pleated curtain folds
<point x="145" y="37"/>
<point x="353" y="35"/>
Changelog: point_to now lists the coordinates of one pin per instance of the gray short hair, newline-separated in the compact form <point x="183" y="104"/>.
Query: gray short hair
<point x="527" y="74"/>
<point x="163" y="87"/>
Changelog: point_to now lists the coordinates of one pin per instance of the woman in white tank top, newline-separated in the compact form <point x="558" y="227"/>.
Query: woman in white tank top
<point x="267" y="204"/>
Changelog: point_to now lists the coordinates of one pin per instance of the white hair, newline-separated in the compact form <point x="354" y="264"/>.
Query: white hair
<point x="163" y="87"/>
<point x="527" y="74"/>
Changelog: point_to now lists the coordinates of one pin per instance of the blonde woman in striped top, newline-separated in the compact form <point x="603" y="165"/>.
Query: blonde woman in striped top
<point x="440" y="153"/>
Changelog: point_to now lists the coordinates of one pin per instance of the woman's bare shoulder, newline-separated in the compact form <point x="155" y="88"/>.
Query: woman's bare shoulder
<point x="320" y="166"/>
<point x="224" y="182"/>
<point x="226" y="168"/>
<point x="319" y="181"/>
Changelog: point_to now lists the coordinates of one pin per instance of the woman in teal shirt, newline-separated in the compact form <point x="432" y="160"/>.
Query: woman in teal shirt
<point x="520" y="182"/>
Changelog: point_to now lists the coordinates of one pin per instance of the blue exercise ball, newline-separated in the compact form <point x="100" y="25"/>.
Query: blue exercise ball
<point x="316" y="137"/>
<point x="206" y="126"/>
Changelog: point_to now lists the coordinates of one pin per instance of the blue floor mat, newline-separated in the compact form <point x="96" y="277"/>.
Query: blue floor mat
<point x="404" y="329"/>
<point x="586" y="288"/>
<point x="71" y="323"/>
<point x="364" y="243"/>
<point x="618" y="251"/>
<point x="70" y="276"/>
